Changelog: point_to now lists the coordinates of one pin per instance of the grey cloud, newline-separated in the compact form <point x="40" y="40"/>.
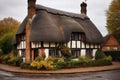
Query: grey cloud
<point x="12" y="8"/>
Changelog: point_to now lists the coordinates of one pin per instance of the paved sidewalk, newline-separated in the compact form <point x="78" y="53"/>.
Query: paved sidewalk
<point x="116" y="65"/>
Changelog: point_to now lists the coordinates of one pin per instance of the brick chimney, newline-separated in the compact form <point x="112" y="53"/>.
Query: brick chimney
<point x="31" y="8"/>
<point x="31" y="12"/>
<point x="83" y="8"/>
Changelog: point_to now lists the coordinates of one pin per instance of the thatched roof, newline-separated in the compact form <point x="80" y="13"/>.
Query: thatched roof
<point x="56" y="26"/>
<point x="22" y="26"/>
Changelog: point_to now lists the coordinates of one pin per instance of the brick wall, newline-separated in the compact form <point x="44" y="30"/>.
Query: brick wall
<point x="111" y="43"/>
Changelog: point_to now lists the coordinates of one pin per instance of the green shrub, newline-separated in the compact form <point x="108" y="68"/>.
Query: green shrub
<point x="16" y="61"/>
<point x="50" y="59"/>
<point x="39" y="58"/>
<point x="84" y="59"/>
<point x="59" y="63"/>
<point x="108" y="58"/>
<point x="99" y="55"/>
<point x="1" y="52"/>
<point x="114" y="54"/>
<point x="103" y="62"/>
<point x="74" y="63"/>
<point x="91" y="63"/>
<point x="100" y="62"/>
<point x="25" y="65"/>
<point x="6" y="43"/>
<point x="5" y="59"/>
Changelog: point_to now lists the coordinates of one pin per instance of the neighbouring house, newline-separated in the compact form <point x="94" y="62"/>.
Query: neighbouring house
<point x="45" y="29"/>
<point x="110" y="43"/>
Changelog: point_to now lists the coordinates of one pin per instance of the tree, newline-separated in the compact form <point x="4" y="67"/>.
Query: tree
<point x="8" y="25"/>
<point x="113" y="19"/>
<point x="6" y="43"/>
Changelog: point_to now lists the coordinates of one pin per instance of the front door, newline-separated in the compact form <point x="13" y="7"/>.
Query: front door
<point x="35" y="53"/>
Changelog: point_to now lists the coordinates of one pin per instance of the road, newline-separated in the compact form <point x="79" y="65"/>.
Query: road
<point x="104" y="75"/>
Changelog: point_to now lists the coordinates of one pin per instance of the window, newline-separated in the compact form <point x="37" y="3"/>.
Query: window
<point x="75" y="36"/>
<point x="76" y="53"/>
<point x="35" y="53"/>
<point x="76" y="40"/>
<point x="23" y="54"/>
<point x="22" y="37"/>
<point x="46" y="44"/>
<point x="107" y="48"/>
<point x="115" y="48"/>
<point x="52" y="44"/>
<point x="54" y="53"/>
<point x="89" y="53"/>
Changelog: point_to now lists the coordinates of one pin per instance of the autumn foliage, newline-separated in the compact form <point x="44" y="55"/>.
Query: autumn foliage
<point x="8" y="27"/>
<point x="113" y="19"/>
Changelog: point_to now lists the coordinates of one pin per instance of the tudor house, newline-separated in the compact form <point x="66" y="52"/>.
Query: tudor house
<point x="44" y="29"/>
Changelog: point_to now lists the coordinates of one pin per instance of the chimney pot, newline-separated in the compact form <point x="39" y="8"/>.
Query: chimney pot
<point x="83" y="8"/>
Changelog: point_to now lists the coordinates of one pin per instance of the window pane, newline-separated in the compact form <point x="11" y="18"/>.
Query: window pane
<point x="72" y="37"/>
<point x="76" y="36"/>
<point x="107" y="48"/>
<point x="115" y="48"/>
<point x="54" y="53"/>
<point x="89" y="53"/>
<point x="76" y="53"/>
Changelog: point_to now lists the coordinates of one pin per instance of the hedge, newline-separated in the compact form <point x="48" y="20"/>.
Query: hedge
<point x="114" y="54"/>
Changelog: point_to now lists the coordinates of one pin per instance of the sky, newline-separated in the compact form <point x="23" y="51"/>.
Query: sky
<point x="96" y="9"/>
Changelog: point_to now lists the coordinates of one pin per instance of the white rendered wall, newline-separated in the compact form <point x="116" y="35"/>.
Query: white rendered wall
<point x="83" y="52"/>
<point x="94" y="51"/>
<point x="83" y="45"/>
<point x="46" y="44"/>
<point x="69" y="44"/>
<point x="73" y="44"/>
<point x="96" y="46"/>
<point x="87" y="45"/>
<point x="52" y="44"/>
<point x="20" y="53"/>
<point x="92" y="46"/>
<point x="46" y="53"/>
<point x="22" y="45"/>
<point x="78" y="44"/>
<point x="35" y="44"/>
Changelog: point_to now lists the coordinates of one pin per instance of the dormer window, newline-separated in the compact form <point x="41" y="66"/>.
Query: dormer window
<point x="76" y="36"/>
<point x="23" y="37"/>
